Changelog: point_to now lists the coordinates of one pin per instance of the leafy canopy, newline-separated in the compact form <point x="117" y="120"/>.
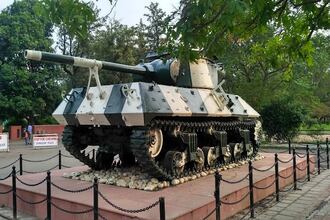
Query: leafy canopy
<point x="209" y="25"/>
<point x="27" y="89"/>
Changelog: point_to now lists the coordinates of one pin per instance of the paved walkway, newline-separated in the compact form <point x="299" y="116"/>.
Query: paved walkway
<point x="310" y="201"/>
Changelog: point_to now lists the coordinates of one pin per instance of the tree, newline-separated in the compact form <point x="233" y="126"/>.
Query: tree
<point x="28" y="90"/>
<point x="282" y="118"/>
<point x="156" y="27"/>
<point x="209" y="25"/>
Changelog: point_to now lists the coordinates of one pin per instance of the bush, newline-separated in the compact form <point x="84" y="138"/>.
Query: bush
<point x="282" y="119"/>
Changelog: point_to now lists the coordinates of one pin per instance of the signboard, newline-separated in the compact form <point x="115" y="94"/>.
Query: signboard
<point x="4" y="142"/>
<point x="45" y="140"/>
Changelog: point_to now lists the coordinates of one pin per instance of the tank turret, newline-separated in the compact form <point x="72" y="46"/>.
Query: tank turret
<point x="202" y="73"/>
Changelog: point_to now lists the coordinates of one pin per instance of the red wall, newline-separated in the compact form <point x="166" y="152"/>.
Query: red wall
<point x="48" y="129"/>
<point x="15" y="132"/>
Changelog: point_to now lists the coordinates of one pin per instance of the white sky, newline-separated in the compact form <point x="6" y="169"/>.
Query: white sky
<point x="128" y="12"/>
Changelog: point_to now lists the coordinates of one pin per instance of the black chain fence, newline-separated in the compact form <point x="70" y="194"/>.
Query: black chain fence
<point x="21" y="163"/>
<point x="320" y="160"/>
<point x="161" y="202"/>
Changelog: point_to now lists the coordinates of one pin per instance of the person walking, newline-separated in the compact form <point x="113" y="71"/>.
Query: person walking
<point x="26" y="136"/>
<point x="30" y="133"/>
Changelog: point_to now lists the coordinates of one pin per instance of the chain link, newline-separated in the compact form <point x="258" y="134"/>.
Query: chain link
<point x="302" y="181"/>
<point x="128" y="210"/>
<point x="42" y="171"/>
<point x="72" y="212"/>
<point x="2" y="193"/>
<point x="285" y="177"/>
<point x="72" y="191"/>
<point x="31" y="203"/>
<point x="31" y="184"/>
<point x="102" y="217"/>
<point x="236" y="202"/>
<point x="208" y="215"/>
<point x="235" y="181"/>
<point x="43" y="160"/>
<point x="9" y="165"/>
<point x="66" y="166"/>
<point x="287" y="190"/>
<point x="67" y="156"/>
<point x="301" y="155"/>
<point x="283" y="161"/>
<point x="265" y="170"/>
<point x="266" y="187"/>
<point x="301" y="169"/>
<point x="5" y="177"/>
<point x="313" y="162"/>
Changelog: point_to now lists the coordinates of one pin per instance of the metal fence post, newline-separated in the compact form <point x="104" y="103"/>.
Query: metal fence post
<point x="318" y="159"/>
<point x="49" y="197"/>
<point x="277" y="184"/>
<point x="308" y="165"/>
<point x="294" y="169"/>
<point x="327" y="145"/>
<point x="20" y="165"/>
<point x="95" y="199"/>
<point x="289" y="146"/>
<point x="251" y="189"/>
<point x="13" y="175"/>
<point x="217" y="194"/>
<point x="59" y="159"/>
<point x="162" y="208"/>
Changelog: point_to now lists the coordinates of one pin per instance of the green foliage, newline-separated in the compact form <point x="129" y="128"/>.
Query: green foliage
<point x="74" y="15"/>
<point x="27" y="90"/>
<point x="210" y="25"/>
<point x="282" y="118"/>
<point x="156" y="29"/>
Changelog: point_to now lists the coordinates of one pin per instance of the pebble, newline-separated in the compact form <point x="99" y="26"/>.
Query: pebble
<point x="181" y="180"/>
<point x="160" y="185"/>
<point x="151" y="187"/>
<point x="102" y="180"/>
<point x="121" y="183"/>
<point x="154" y="180"/>
<point x="175" y="182"/>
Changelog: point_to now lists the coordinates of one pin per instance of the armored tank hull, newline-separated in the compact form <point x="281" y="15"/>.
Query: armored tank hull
<point x="167" y="130"/>
<point x="177" y="120"/>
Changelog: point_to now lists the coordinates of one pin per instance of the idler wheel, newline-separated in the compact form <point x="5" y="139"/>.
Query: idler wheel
<point x="200" y="159"/>
<point x="210" y="156"/>
<point x="155" y="142"/>
<point x="174" y="162"/>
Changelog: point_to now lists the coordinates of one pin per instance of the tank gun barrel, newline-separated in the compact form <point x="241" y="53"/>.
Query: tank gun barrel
<point x="84" y="62"/>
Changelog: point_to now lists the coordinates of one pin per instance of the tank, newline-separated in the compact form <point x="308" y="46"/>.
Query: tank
<point x="174" y="120"/>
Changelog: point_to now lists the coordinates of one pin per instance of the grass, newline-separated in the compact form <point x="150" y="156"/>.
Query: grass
<point x="316" y="127"/>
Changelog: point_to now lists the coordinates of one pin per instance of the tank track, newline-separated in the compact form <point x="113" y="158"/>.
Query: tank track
<point x="73" y="147"/>
<point x="138" y="144"/>
<point x="140" y="138"/>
